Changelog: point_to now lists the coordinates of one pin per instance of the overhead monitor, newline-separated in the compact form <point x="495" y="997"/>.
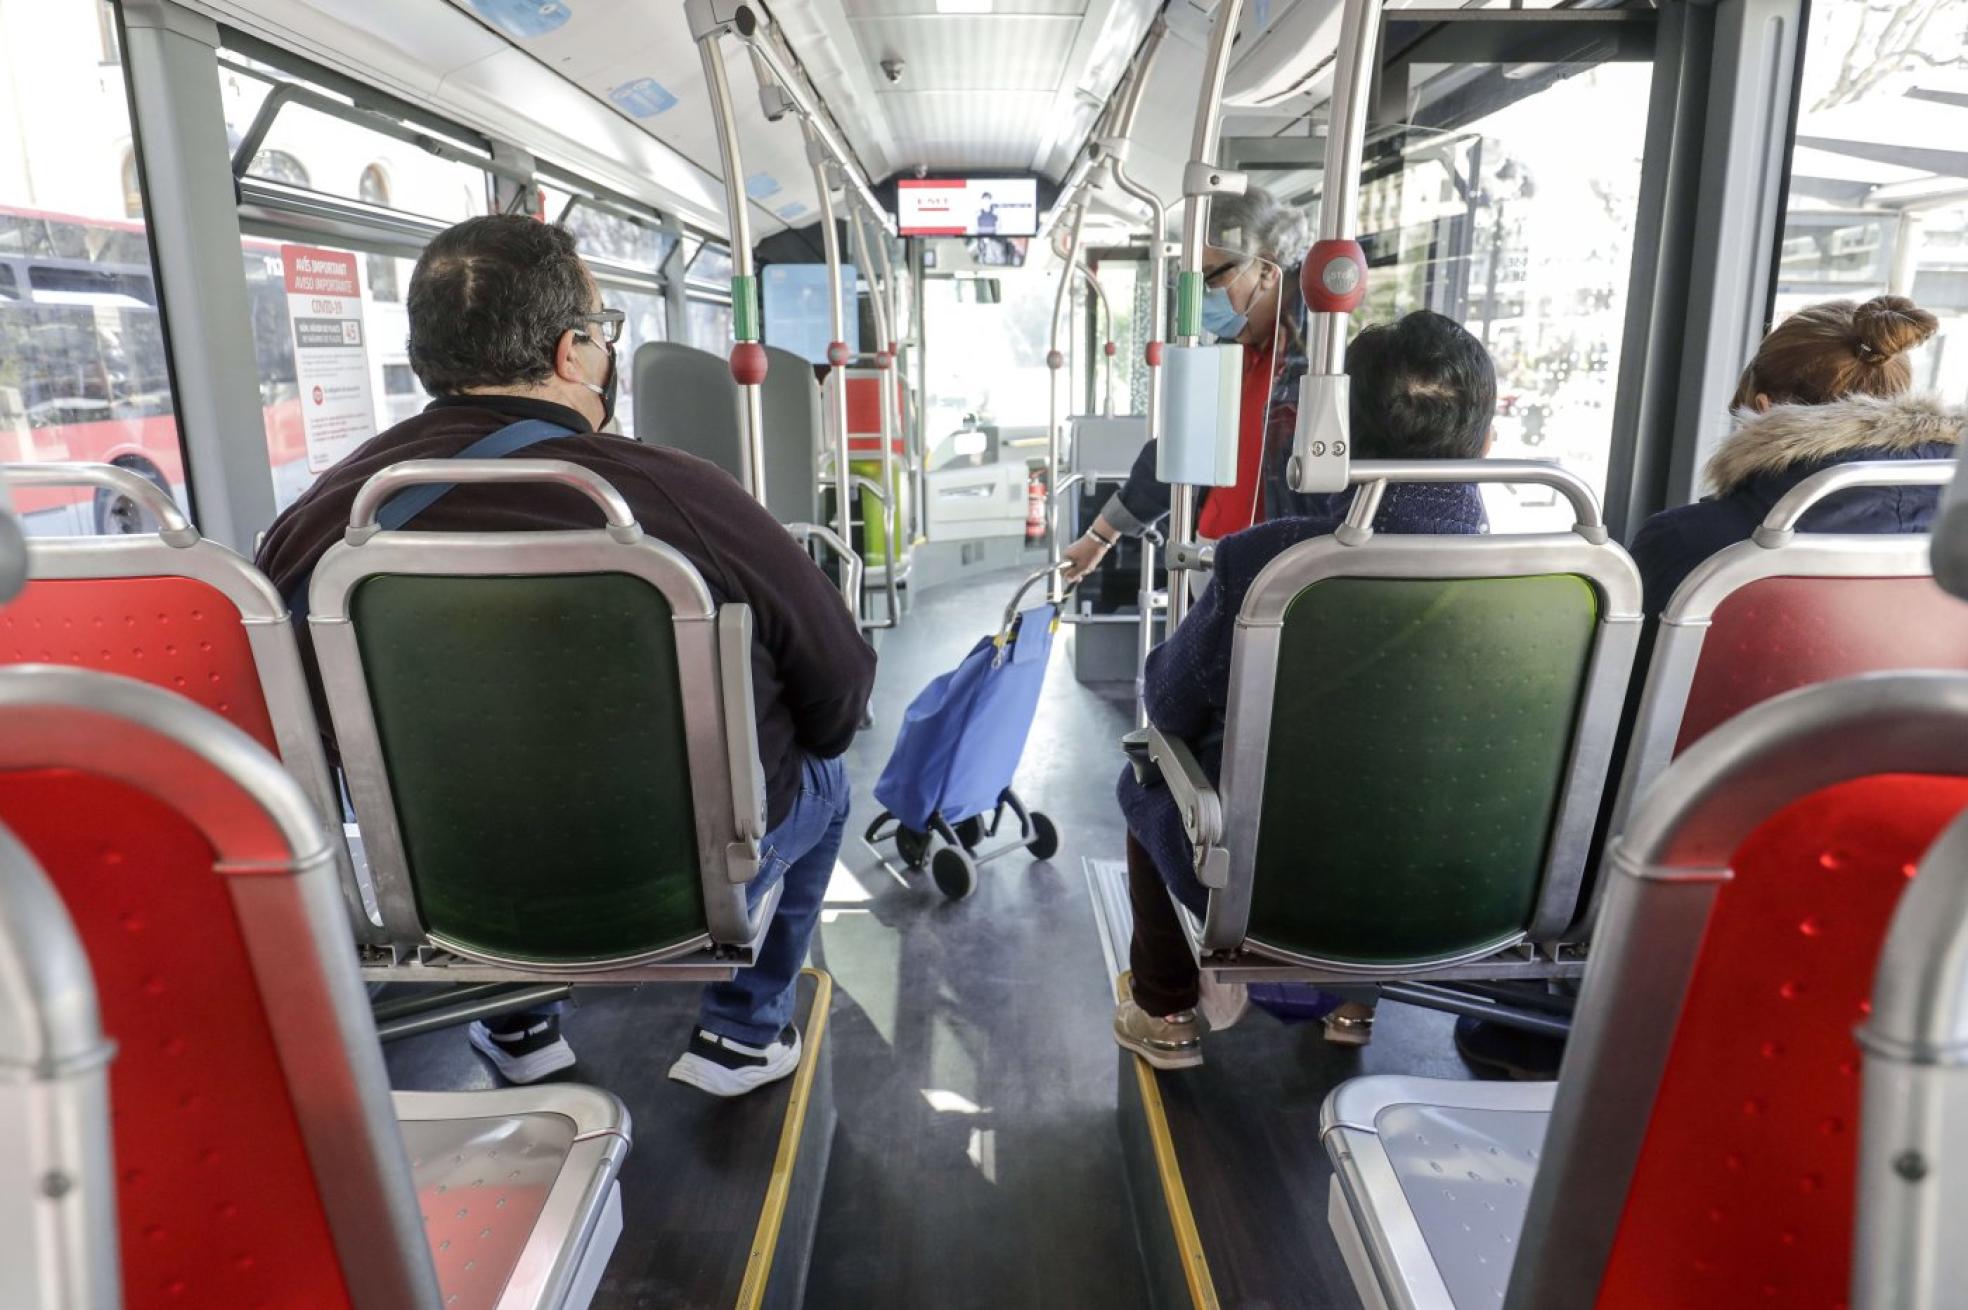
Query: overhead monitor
<point x="968" y="207"/>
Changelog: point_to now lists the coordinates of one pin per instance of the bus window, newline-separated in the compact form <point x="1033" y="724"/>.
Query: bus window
<point x="1515" y="218"/>
<point x="645" y="323"/>
<point x="709" y="323"/>
<point x="83" y="374"/>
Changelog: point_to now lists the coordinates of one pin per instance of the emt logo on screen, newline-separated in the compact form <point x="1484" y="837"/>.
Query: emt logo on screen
<point x="970" y="207"/>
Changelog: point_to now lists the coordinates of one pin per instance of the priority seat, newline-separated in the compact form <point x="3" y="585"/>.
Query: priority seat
<point x="183" y="613"/>
<point x="1417" y="739"/>
<point x="163" y="870"/>
<point x="1707" y="1135"/>
<point x="549" y="740"/>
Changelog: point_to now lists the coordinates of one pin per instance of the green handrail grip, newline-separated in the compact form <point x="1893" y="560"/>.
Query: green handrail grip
<point x="744" y="307"/>
<point x="1189" y="304"/>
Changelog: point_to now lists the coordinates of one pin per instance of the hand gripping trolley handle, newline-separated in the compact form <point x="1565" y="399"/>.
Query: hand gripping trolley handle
<point x="948" y="779"/>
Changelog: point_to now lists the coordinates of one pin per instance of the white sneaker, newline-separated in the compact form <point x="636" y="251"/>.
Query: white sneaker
<point x="1164" y="1041"/>
<point x="1222" y="1003"/>
<point x="526" y="1056"/>
<point x="723" y="1067"/>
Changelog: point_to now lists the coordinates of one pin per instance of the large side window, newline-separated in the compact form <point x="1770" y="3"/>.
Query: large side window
<point x="1879" y="174"/>
<point x="83" y="372"/>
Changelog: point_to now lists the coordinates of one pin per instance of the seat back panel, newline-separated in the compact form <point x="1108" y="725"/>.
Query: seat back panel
<point x="1777" y="634"/>
<point x="173" y="632"/>
<point x="209" y="1153"/>
<point x="1419" y="741"/>
<point x="533" y="732"/>
<point x="1743" y="1191"/>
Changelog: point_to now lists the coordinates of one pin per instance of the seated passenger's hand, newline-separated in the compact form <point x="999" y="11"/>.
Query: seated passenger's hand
<point x="1083" y="557"/>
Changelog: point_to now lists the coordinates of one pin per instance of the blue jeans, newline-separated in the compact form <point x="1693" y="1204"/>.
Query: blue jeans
<point x="756" y="1004"/>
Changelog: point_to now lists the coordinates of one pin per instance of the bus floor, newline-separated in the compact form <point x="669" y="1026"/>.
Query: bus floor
<point x="981" y="1153"/>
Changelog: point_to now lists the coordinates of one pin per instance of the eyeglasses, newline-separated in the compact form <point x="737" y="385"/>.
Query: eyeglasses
<point x="609" y="321"/>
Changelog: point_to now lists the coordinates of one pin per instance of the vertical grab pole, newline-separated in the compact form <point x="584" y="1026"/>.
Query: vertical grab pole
<point x="1189" y="289"/>
<point x="885" y="362"/>
<point x="747" y="355"/>
<point x="919" y="357"/>
<point x="1055" y="360"/>
<point x="1107" y="348"/>
<point x="895" y="338"/>
<point x="1334" y="275"/>
<point x="835" y="392"/>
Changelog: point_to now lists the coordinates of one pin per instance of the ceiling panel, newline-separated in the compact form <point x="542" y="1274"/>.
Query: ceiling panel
<point x="970" y="53"/>
<point x="1000" y="8"/>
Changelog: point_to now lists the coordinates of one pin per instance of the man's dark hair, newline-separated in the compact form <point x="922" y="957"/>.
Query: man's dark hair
<point x="489" y="299"/>
<point x="1422" y="388"/>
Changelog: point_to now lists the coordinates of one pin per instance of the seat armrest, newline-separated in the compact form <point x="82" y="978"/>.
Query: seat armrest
<point x="1197" y="800"/>
<point x="1134" y="745"/>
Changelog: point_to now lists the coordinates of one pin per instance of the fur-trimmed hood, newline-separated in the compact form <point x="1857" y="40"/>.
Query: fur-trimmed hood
<point x="1785" y="437"/>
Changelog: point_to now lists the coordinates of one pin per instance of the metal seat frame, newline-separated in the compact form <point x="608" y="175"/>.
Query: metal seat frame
<point x="1666" y="872"/>
<point x="714" y="653"/>
<point x="177" y="550"/>
<point x="1223" y="820"/>
<point x="279" y="865"/>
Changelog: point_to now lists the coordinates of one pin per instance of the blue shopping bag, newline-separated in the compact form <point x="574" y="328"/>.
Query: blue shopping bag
<point x="962" y="736"/>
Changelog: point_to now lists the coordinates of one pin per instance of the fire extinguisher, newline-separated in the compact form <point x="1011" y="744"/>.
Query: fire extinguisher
<point x="1035" y="505"/>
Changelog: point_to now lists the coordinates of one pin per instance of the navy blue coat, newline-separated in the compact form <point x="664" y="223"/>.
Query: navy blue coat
<point x="1188" y="682"/>
<point x="1771" y="452"/>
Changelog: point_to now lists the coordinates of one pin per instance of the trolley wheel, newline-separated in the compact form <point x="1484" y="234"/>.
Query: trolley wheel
<point x="954" y="871"/>
<point x="1045" y="838"/>
<point x="971" y="831"/>
<point x="912" y="846"/>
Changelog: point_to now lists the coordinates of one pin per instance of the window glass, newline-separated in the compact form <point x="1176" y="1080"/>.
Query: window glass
<point x="797" y="317"/>
<point x="321" y="152"/>
<point x="1517" y="221"/>
<point x="987" y="332"/>
<point x="711" y="267"/>
<point x="1878" y="178"/>
<point x="709" y="323"/>
<point x="83" y="373"/>
<point x="644" y="323"/>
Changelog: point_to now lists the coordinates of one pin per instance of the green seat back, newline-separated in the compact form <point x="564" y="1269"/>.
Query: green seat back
<point x="1419" y="741"/>
<point x="533" y="732"/>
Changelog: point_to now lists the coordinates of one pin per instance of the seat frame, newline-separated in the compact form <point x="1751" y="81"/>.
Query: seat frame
<point x="177" y="550"/>
<point x="1666" y="871"/>
<point x="714" y="651"/>
<point x="279" y="864"/>
<point x="1223" y="821"/>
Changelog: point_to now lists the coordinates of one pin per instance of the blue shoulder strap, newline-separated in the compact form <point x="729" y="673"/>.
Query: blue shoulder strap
<point x="508" y="440"/>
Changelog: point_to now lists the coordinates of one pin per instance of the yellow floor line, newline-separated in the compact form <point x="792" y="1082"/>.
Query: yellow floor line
<point x="1182" y="1220"/>
<point x="765" y="1241"/>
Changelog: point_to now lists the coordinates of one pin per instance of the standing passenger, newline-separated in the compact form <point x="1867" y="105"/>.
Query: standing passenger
<point x="1422" y="388"/>
<point x="506" y="325"/>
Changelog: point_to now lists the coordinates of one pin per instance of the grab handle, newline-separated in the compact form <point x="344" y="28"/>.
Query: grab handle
<point x="174" y="528"/>
<point x="622" y="525"/>
<point x="1781" y="524"/>
<point x="1011" y="610"/>
<point x="1372" y="477"/>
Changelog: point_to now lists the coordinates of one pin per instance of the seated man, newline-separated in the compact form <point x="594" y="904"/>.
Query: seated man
<point x="1422" y="388"/>
<point x="507" y="325"/>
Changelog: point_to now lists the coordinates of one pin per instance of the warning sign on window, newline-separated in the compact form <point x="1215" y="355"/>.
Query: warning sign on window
<point x="331" y="355"/>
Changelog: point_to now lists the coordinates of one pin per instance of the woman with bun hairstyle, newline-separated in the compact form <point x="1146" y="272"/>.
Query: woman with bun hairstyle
<point x="1829" y="385"/>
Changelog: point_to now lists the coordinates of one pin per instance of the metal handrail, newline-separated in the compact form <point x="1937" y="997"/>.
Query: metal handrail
<point x="622" y="525"/>
<point x="1780" y="525"/>
<point x="176" y="528"/>
<point x="1373" y="476"/>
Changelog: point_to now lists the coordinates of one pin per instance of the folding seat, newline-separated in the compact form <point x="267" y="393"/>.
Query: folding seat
<point x="158" y="866"/>
<point x="1417" y="739"/>
<point x="549" y="740"/>
<point x="179" y="612"/>
<point x="1707" y="1134"/>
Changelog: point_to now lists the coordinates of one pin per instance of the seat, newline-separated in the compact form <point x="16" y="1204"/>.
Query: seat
<point x="1789" y="608"/>
<point x="179" y="612"/>
<point x="1702" y="1145"/>
<point x="258" y="1157"/>
<point x="1417" y="739"/>
<point x="700" y="415"/>
<point x="549" y="739"/>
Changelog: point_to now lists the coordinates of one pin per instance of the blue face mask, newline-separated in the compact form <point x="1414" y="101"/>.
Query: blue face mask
<point x="1220" y="317"/>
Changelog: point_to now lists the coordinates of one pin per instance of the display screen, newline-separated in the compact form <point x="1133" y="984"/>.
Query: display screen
<point x="968" y="207"/>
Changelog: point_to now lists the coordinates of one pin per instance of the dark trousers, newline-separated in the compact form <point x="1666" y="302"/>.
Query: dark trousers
<point x="1164" y="968"/>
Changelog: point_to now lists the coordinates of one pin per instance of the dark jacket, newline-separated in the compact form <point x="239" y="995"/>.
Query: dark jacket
<point x="1771" y="452"/>
<point x="1143" y="500"/>
<point x="811" y="670"/>
<point x="1188" y="684"/>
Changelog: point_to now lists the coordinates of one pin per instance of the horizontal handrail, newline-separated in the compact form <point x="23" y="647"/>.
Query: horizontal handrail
<point x="1781" y="523"/>
<point x="1373" y="476"/>
<point x="1078" y="476"/>
<point x="850" y="561"/>
<point x="377" y="490"/>
<point x="176" y="528"/>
